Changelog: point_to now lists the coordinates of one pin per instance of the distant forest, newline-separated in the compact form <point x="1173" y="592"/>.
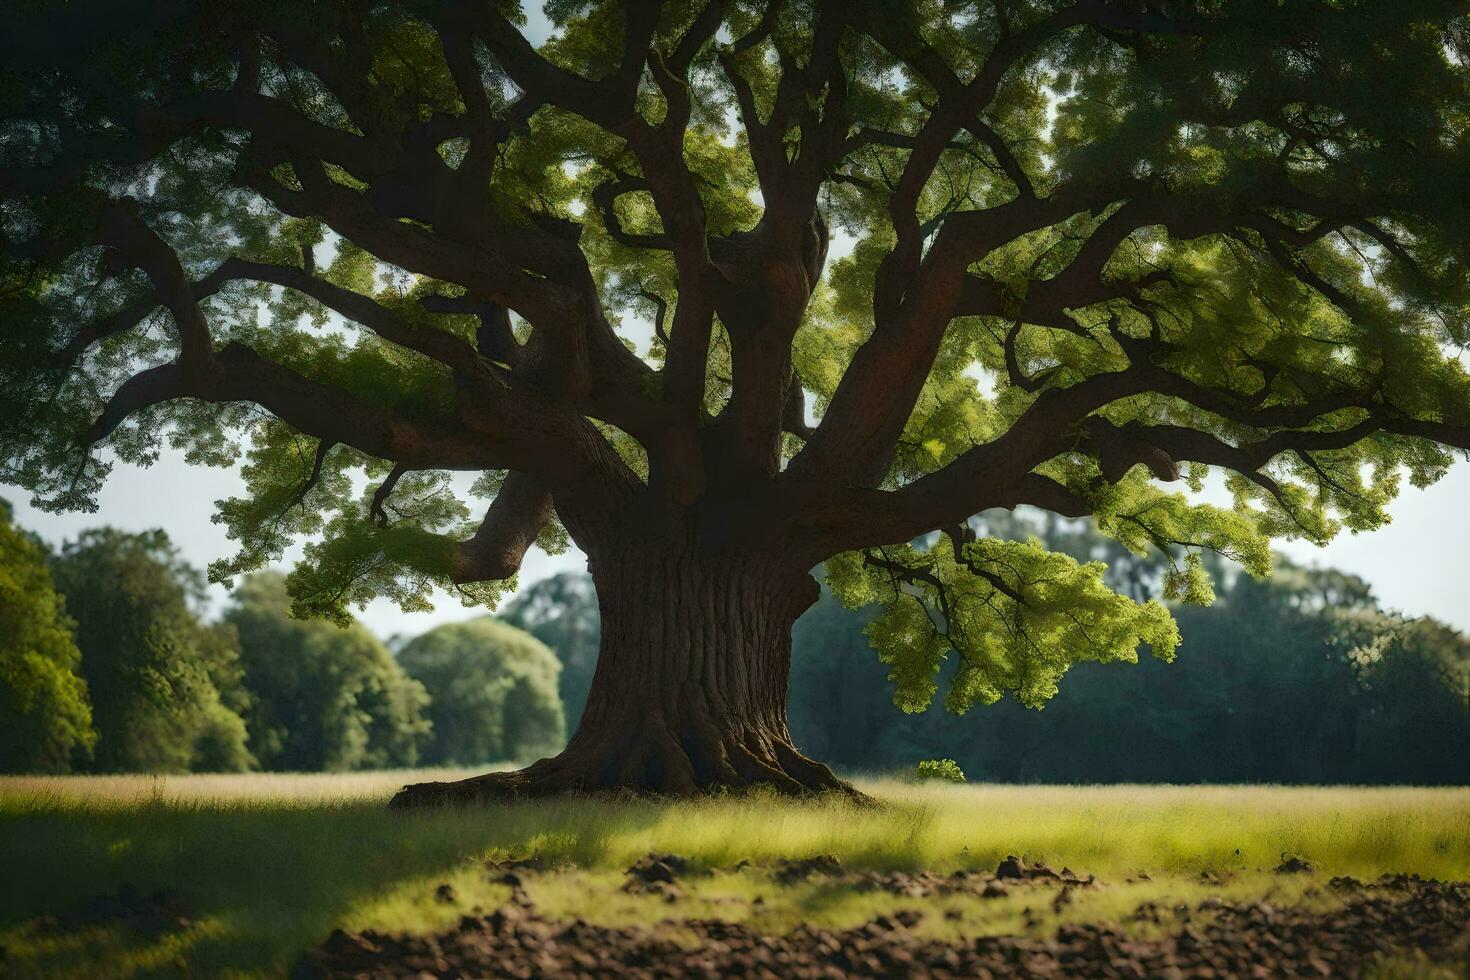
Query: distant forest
<point x="108" y="663"/>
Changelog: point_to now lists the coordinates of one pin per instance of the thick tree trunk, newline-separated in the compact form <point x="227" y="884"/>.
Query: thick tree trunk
<point x="690" y="690"/>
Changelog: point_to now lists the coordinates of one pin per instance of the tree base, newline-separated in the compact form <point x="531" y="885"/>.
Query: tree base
<point x="646" y="772"/>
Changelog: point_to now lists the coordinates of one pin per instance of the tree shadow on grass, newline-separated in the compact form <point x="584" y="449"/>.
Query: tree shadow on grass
<point x="264" y="881"/>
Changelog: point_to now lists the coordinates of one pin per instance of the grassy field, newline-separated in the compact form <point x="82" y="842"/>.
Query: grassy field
<point x="270" y="863"/>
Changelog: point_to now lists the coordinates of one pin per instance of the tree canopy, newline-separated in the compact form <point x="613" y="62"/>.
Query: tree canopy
<point x="1091" y="250"/>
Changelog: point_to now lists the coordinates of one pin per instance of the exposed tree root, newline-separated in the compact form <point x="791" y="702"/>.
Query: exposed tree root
<point x="654" y="763"/>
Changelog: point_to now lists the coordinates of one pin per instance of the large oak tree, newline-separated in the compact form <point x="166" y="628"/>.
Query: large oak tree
<point x="1091" y="249"/>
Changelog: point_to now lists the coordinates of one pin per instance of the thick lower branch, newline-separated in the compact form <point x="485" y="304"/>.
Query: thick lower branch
<point x="520" y="510"/>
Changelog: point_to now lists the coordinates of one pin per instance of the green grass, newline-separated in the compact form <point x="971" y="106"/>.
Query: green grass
<point x="273" y="863"/>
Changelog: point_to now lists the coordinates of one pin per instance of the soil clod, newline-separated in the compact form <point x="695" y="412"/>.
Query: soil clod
<point x="821" y="865"/>
<point x="655" y="868"/>
<point x="1015" y="869"/>
<point x="1294" y="866"/>
<point x="657" y="874"/>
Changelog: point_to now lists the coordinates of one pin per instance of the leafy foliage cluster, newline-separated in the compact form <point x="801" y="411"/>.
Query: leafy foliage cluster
<point x="946" y="770"/>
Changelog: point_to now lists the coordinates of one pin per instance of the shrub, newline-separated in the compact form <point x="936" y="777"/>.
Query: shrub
<point x="945" y="769"/>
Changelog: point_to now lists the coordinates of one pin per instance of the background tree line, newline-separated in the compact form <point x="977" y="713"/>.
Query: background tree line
<point x="1299" y="678"/>
<point x="107" y="664"/>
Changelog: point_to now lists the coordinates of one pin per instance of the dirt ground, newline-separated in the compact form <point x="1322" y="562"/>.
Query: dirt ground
<point x="1365" y="925"/>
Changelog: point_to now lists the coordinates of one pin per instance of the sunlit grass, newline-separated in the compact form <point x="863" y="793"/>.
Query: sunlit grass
<point x="274" y="862"/>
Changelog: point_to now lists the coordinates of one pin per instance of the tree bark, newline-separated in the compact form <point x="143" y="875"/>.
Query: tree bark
<point x="689" y="695"/>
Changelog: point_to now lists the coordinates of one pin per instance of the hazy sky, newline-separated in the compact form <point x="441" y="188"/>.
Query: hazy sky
<point x="1417" y="564"/>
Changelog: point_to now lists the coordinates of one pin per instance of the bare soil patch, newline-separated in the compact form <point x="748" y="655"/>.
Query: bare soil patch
<point x="1392" y="916"/>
